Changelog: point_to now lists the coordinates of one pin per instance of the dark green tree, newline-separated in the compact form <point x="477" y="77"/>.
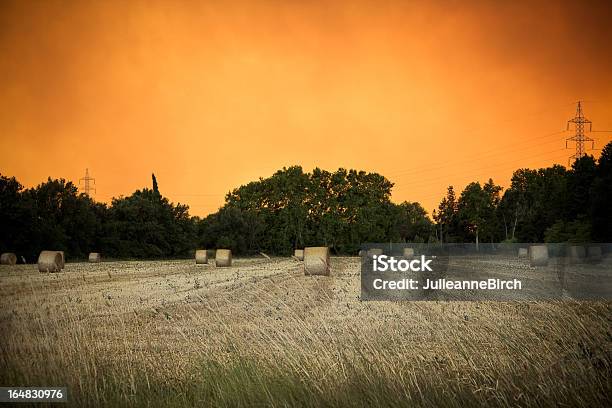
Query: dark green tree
<point x="292" y="209"/>
<point x="515" y="202"/>
<point x="155" y="186"/>
<point x="446" y="216"/>
<point x="147" y="225"/>
<point x="601" y="197"/>
<point x="412" y="223"/>
<point x="471" y="211"/>
<point x="580" y="180"/>
<point x="491" y="226"/>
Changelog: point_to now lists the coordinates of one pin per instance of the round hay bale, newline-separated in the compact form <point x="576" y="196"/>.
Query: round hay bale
<point x="316" y="261"/>
<point x="50" y="261"/>
<point x="594" y="253"/>
<point x="538" y="255"/>
<point x="576" y="253"/>
<point x="63" y="262"/>
<point x="408" y="252"/>
<point x="374" y="251"/>
<point x="8" y="258"/>
<point x="299" y="254"/>
<point x="94" y="257"/>
<point x="223" y="258"/>
<point x="201" y="256"/>
<point x="523" y="253"/>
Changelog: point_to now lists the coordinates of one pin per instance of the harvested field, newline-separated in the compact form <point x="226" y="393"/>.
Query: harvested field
<point x="172" y="333"/>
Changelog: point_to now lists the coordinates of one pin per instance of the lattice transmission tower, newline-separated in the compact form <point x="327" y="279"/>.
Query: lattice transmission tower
<point x="579" y="138"/>
<point x="87" y="183"/>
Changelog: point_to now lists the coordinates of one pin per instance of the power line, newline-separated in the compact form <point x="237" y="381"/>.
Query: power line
<point x="507" y="165"/>
<point x="466" y="176"/>
<point x="518" y="161"/>
<point x="491" y="124"/>
<point x="498" y="151"/>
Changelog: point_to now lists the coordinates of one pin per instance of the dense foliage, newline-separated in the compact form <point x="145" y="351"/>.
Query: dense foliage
<point x="292" y="209"/>
<point x="553" y="204"/>
<point x="54" y="215"/>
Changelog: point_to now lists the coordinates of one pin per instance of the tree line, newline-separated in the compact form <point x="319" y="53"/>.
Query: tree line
<point x="293" y="208"/>
<point x="552" y="204"/>
<point x="54" y="215"/>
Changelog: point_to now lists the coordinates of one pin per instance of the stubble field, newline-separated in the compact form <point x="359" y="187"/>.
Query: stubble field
<point x="260" y="333"/>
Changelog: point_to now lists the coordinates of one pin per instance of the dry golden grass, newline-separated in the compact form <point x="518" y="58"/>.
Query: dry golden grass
<point x="262" y="333"/>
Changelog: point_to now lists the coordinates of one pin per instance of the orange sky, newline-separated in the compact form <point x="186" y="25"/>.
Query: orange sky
<point x="210" y="95"/>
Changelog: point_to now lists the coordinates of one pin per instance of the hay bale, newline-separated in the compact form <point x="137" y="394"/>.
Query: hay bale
<point x="374" y="251"/>
<point x="223" y="258"/>
<point x="316" y="261"/>
<point x="538" y="255"/>
<point x="523" y="253"/>
<point x="94" y="257"/>
<point x="63" y="262"/>
<point x="594" y="253"/>
<point x="8" y="258"/>
<point x="201" y="256"/>
<point x="50" y="261"/>
<point x="576" y="253"/>
<point x="408" y="252"/>
<point x="299" y="254"/>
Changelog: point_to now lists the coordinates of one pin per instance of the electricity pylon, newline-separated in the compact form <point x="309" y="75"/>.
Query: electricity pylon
<point x="579" y="138"/>
<point x="87" y="183"/>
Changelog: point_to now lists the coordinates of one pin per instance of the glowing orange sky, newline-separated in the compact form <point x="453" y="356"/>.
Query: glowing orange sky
<point x="210" y="96"/>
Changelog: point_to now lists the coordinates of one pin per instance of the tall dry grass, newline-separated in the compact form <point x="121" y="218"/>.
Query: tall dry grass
<point x="261" y="334"/>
